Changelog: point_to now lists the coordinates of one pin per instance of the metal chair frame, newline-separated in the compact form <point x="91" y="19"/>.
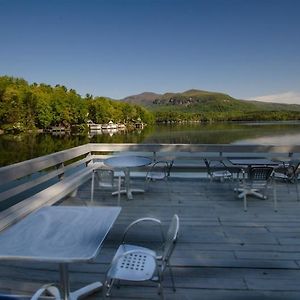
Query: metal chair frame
<point x="221" y="173"/>
<point x="259" y="177"/>
<point x="160" y="170"/>
<point x="135" y="263"/>
<point x="289" y="174"/>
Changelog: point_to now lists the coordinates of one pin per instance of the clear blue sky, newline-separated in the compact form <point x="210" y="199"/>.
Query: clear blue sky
<point x="116" y="48"/>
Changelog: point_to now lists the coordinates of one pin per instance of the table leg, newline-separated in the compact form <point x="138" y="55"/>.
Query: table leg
<point x="64" y="281"/>
<point x="127" y="184"/>
<point x="93" y="186"/>
<point x="128" y="190"/>
<point x="81" y="293"/>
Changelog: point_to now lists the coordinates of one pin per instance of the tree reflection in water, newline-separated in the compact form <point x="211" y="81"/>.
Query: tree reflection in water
<point x="16" y="148"/>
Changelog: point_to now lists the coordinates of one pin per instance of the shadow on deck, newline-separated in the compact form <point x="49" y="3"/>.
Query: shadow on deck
<point x="222" y="253"/>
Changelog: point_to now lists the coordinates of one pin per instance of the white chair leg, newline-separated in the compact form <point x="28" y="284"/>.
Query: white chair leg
<point x="108" y="285"/>
<point x="245" y="201"/>
<point x="172" y="278"/>
<point x="296" y="183"/>
<point x="119" y="190"/>
<point x="275" y="196"/>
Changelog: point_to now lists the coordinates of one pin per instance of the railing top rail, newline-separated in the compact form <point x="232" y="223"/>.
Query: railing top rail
<point x="18" y="170"/>
<point x="196" y="148"/>
<point x="24" y="168"/>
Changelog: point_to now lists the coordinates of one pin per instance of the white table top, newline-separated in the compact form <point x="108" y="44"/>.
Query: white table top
<point x="61" y="234"/>
<point x="127" y="161"/>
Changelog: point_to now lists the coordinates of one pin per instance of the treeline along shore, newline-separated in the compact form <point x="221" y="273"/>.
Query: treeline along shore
<point x="25" y="106"/>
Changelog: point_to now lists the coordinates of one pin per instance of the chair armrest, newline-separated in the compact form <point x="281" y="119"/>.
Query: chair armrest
<point x="138" y="221"/>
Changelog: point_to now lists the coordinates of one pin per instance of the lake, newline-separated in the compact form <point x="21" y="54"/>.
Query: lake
<point x="16" y="148"/>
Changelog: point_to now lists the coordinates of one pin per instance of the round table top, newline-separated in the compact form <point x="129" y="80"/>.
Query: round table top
<point x="127" y="161"/>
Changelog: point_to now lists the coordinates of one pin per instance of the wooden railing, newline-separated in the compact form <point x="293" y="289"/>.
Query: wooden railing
<point x="47" y="179"/>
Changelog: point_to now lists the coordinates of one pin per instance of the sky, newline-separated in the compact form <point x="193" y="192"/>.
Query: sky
<point x="249" y="49"/>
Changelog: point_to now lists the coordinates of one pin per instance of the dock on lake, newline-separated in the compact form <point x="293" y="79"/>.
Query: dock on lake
<point x="222" y="252"/>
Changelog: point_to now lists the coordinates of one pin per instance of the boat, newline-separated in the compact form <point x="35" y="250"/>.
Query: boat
<point x="110" y="125"/>
<point x="93" y="126"/>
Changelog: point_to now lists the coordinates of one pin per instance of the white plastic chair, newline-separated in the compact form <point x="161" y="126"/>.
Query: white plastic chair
<point x="106" y="179"/>
<point x="136" y="263"/>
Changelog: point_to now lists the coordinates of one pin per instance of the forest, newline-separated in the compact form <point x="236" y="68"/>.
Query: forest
<point x="25" y="106"/>
<point x="228" y="116"/>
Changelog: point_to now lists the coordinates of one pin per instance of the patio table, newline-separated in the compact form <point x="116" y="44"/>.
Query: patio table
<point x="60" y="234"/>
<point x="126" y="164"/>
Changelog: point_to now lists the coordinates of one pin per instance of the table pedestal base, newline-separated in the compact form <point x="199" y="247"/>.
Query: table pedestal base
<point x="249" y="191"/>
<point x="129" y="192"/>
<point x="254" y="192"/>
<point x="81" y="293"/>
<point x="86" y="291"/>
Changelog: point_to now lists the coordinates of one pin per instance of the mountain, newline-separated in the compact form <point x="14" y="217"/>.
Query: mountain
<point x="203" y="101"/>
<point x="145" y="99"/>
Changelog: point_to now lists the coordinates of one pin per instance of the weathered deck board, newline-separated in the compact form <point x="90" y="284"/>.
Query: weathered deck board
<point x="223" y="252"/>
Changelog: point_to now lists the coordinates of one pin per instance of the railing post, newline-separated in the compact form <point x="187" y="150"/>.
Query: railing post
<point x="154" y="156"/>
<point x="89" y="161"/>
<point x="59" y="167"/>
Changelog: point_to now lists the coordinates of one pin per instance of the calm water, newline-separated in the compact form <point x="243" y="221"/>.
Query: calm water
<point x="21" y="147"/>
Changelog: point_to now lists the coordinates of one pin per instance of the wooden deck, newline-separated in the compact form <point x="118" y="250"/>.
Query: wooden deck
<point x="222" y="253"/>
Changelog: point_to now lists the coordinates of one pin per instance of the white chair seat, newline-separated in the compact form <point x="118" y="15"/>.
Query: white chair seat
<point x="221" y="174"/>
<point x="136" y="264"/>
<point x="280" y="175"/>
<point x="128" y="247"/>
<point x="156" y="175"/>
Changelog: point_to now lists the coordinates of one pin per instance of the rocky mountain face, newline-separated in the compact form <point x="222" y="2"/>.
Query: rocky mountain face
<point x="198" y="100"/>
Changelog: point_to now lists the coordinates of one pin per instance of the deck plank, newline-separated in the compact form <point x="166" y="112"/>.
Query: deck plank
<point x="222" y="253"/>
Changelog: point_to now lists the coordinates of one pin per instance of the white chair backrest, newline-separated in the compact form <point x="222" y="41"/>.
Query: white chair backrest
<point x="105" y="177"/>
<point x="171" y="239"/>
<point x="295" y="167"/>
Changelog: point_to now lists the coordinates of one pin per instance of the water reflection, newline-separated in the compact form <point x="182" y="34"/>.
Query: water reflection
<point x="287" y="139"/>
<point x="226" y="133"/>
<point x="22" y="147"/>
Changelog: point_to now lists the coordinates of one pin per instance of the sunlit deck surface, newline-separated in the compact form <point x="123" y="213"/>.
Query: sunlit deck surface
<point x="222" y="253"/>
